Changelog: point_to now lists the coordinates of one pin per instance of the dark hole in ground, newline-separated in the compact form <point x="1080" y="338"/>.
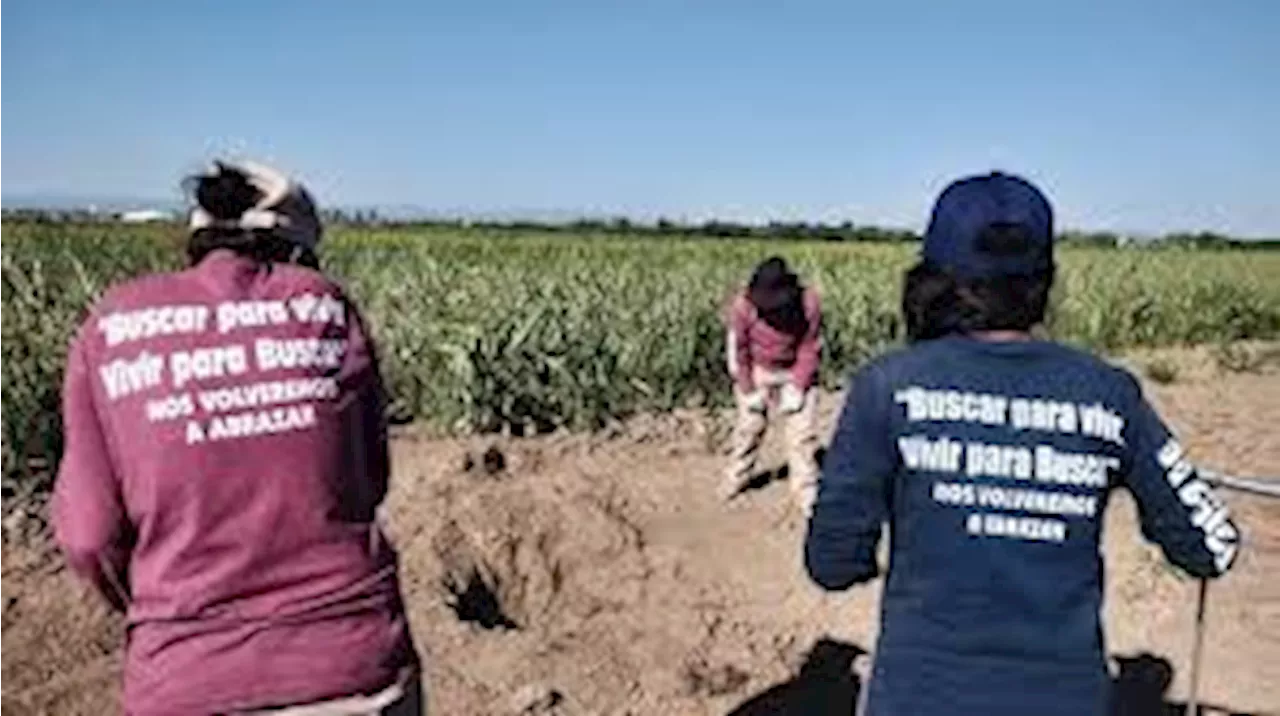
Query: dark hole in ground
<point x="538" y="701"/>
<point x="494" y="461"/>
<point x="490" y="463"/>
<point x="477" y="601"/>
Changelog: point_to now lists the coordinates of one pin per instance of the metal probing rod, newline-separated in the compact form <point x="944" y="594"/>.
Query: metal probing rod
<point x="1197" y="648"/>
<point x="1267" y="487"/>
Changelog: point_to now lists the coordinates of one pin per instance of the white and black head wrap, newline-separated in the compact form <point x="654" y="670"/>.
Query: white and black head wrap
<point x="285" y="209"/>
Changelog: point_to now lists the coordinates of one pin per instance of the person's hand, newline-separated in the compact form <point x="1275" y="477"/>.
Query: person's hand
<point x="754" y="401"/>
<point x="791" y="400"/>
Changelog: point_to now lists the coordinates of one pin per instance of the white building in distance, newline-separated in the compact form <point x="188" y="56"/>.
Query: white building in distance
<point x="141" y="216"/>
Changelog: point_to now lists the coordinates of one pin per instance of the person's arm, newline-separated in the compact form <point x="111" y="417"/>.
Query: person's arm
<point x="375" y="422"/>
<point x="739" y="344"/>
<point x="89" y="519"/>
<point x="855" y="489"/>
<point x="1179" y="511"/>
<point x="809" y="352"/>
<point x="362" y="382"/>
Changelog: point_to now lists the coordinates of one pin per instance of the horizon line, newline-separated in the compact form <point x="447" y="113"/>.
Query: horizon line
<point x="408" y="212"/>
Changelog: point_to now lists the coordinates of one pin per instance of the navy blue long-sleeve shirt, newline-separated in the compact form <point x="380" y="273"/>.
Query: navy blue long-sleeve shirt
<point x="991" y="464"/>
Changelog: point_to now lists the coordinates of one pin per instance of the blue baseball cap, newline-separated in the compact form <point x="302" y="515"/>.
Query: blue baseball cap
<point x="988" y="226"/>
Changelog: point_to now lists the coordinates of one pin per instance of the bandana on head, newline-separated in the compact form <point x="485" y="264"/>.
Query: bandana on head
<point x="285" y="207"/>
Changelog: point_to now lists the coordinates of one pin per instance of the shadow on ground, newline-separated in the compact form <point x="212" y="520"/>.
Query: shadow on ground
<point x="1140" y="686"/>
<point x="764" y="478"/>
<point x="824" y="684"/>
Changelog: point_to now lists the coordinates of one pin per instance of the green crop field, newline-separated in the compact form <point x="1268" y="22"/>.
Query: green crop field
<point x="485" y="330"/>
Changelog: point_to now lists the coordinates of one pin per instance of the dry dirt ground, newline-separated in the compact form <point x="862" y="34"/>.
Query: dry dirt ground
<point x="599" y="575"/>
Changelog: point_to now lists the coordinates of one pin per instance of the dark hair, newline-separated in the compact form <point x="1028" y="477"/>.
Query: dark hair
<point x="226" y="195"/>
<point x="935" y="303"/>
<point x="778" y="297"/>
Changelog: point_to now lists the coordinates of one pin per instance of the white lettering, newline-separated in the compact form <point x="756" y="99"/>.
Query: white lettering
<point x="1064" y="468"/>
<point x="1222" y="543"/>
<point x="150" y="322"/>
<point x="123" y="377"/>
<point x="1208" y="513"/>
<point x="997" y="461"/>
<point x="952" y="406"/>
<point x="1025" y="528"/>
<point x="951" y="493"/>
<point x="1169" y="453"/>
<point x="1100" y="422"/>
<point x="250" y="314"/>
<point x="1178" y="474"/>
<point x="168" y="408"/>
<point x="273" y="354"/>
<point x="1044" y="415"/>
<point x="204" y="363"/>
<point x="309" y="308"/>
<point x="266" y="422"/>
<point x="242" y="397"/>
<point x="1052" y="503"/>
<point x="921" y="453"/>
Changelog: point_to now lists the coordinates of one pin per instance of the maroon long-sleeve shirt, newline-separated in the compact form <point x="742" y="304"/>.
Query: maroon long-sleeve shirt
<point x="752" y="343"/>
<point x="225" y="453"/>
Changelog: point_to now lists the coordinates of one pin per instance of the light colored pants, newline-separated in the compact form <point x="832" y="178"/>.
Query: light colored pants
<point x="403" y="698"/>
<point x="801" y="439"/>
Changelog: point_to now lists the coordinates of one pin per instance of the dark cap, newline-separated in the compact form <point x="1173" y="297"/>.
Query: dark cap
<point x="988" y="226"/>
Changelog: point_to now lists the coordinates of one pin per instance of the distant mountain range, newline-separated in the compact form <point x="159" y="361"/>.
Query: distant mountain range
<point x="104" y="203"/>
<point x="107" y="204"/>
<point x="396" y="212"/>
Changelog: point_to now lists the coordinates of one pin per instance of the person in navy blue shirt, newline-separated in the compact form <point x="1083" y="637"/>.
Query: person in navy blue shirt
<point x="990" y="455"/>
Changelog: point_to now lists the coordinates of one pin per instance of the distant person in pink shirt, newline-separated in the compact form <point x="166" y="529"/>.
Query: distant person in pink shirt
<point x="225" y="455"/>
<point x="774" y="346"/>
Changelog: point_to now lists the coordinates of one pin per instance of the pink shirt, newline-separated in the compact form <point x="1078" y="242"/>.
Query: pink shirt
<point x="754" y="343"/>
<point x="225" y="453"/>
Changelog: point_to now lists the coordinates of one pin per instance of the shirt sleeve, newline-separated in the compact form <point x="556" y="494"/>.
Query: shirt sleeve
<point x="368" y="477"/>
<point x="1179" y="511"/>
<point x="808" y="353"/>
<point x="89" y="518"/>
<point x="739" y="344"/>
<point x="854" y="489"/>
<point x="379" y="452"/>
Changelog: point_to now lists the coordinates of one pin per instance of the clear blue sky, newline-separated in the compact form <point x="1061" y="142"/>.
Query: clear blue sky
<point x="1145" y="116"/>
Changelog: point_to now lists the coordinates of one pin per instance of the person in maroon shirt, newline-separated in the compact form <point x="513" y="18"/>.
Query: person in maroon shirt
<point x="774" y="339"/>
<point x="225" y="455"/>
